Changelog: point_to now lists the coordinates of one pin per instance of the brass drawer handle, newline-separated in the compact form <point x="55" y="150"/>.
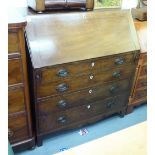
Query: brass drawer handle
<point x="110" y="104"/>
<point x="10" y="133"/>
<point x="63" y="73"/>
<point x="62" y="119"/>
<point x="113" y="89"/>
<point x="119" y="61"/>
<point x="62" y="87"/>
<point x="62" y="104"/>
<point x="116" y="74"/>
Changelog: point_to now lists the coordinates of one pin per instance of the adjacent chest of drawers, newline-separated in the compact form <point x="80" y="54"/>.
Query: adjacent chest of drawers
<point x="19" y="118"/>
<point x="139" y="93"/>
<point x="82" y="70"/>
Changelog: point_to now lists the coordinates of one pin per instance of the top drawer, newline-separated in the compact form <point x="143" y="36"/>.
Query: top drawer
<point x="62" y="71"/>
<point x="13" y="42"/>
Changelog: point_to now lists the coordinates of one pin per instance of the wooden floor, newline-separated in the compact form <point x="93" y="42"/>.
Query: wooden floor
<point x="130" y="141"/>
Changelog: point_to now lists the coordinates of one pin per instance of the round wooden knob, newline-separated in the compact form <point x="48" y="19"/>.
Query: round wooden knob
<point x="91" y="77"/>
<point x="90" y="91"/>
<point x="93" y="64"/>
<point x="88" y="106"/>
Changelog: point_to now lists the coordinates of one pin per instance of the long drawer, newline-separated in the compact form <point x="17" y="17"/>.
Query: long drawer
<point x="59" y="72"/>
<point x="92" y="94"/>
<point x="18" y="128"/>
<point x="14" y="71"/>
<point x="49" y="120"/>
<point x="84" y="81"/>
<point x="16" y="99"/>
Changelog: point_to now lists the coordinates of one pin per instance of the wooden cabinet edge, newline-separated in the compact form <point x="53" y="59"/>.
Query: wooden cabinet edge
<point x="23" y="145"/>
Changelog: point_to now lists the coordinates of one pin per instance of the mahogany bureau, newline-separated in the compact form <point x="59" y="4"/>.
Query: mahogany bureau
<point x="139" y="93"/>
<point x="19" y="117"/>
<point x="82" y="67"/>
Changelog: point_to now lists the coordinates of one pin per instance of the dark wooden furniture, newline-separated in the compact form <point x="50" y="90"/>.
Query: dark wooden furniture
<point x="82" y="67"/>
<point x="139" y="93"/>
<point x="19" y="118"/>
<point x="44" y="5"/>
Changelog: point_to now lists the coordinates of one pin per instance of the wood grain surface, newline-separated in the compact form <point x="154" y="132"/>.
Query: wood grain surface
<point x="63" y="38"/>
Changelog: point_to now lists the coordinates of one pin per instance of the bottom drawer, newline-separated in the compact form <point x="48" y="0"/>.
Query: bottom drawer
<point x="17" y="128"/>
<point x="49" y="120"/>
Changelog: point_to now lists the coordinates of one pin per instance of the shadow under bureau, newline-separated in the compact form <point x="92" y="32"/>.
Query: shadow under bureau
<point x="82" y="67"/>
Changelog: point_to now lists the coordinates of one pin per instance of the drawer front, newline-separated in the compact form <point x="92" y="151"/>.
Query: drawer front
<point x="141" y="82"/>
<point x="92" y="94"/>
<point x="87" y="67"/>
<point x="143" y="71"/>
<point x="14" y="71"/>
<point x="16" y="100"/>
<point x="140" y="94"/>
<point x="13" y="42"/>
<point x="17" y="128"/>
<point x="49" y="120"/>
<point x="84" y="81"/>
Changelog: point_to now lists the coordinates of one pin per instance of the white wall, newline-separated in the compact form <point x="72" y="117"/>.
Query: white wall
<point x="128" y="4"/>
<point x="17" y="3"/>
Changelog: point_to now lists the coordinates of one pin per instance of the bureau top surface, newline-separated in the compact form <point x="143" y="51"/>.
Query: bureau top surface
<point x="62" y="38"/>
